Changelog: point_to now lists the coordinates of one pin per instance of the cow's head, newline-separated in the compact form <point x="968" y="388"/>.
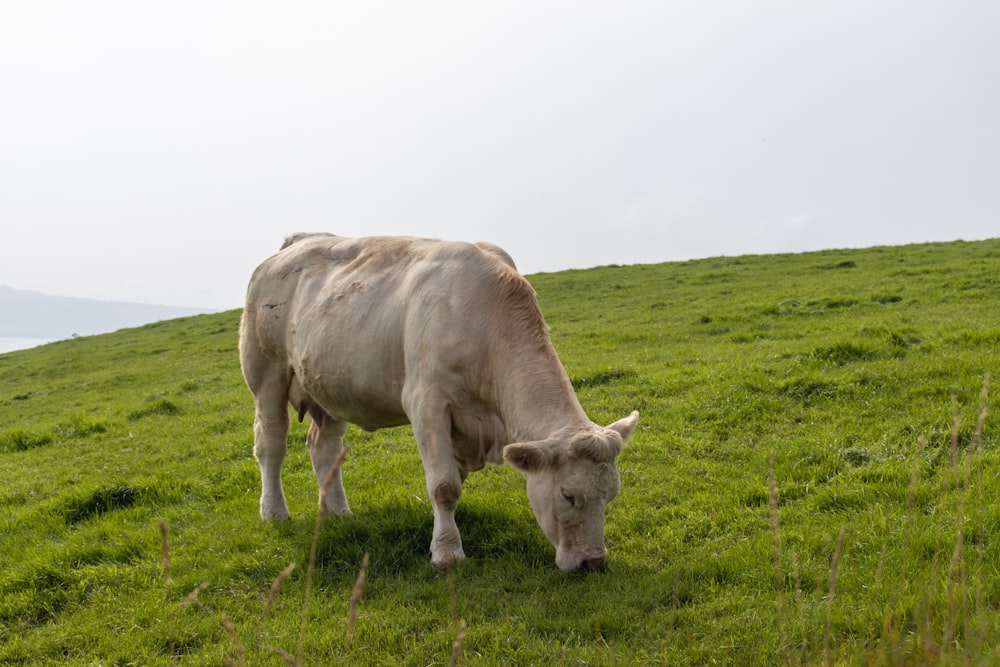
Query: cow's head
<point x="571" y="478"/>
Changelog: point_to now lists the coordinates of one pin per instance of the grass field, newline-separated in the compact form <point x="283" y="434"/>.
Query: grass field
<point x="814" y="480"/>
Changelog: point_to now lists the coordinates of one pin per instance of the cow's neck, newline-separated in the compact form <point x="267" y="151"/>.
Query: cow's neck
<point x="532" y="394"/>
<point x="535" y="396"/>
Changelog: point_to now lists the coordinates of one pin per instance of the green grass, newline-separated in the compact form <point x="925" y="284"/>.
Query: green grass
<point x="807" y="485"/>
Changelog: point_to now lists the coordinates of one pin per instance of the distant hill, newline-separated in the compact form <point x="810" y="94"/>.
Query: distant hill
<point x="29" y="314"/>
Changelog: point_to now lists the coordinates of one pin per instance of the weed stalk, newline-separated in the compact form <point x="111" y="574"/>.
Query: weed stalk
<point x="192" y="597"/>
<point x="838" y="553"/>
<point x="352" y="616"/>
<point x="272" y="596"/>
<point x="312" y="557"/>
<point x="779" y="580"/>
<point x="978" y="636"/>
<point x="286" y="656"/>
<point x="237" y="644"/>
<point x="456" y="647"/>
<point x="165" y="545"/>
<point x="984" y="393"/>
<point x="165" y="551"/>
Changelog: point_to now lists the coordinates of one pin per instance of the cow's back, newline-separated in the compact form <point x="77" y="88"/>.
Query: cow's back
<point x="354" y="319"/>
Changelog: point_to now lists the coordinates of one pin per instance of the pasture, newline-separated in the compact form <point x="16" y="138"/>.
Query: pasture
<point x="814" y="479"/>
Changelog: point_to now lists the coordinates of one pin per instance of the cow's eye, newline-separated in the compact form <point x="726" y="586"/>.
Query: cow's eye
<point x="569" y="497"/>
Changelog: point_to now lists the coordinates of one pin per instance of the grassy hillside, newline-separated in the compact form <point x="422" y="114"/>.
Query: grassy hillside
<point x="814" y="478"/>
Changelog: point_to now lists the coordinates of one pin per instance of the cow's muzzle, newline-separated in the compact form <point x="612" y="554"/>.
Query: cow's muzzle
<point x="598" y="564"/>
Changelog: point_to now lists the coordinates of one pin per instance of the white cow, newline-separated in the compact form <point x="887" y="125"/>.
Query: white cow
<point x="448" y="337"/>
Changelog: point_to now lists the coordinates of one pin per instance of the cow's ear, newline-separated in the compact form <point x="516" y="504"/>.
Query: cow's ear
<point x="527" y="456"/>
<point x="625" y="426"/>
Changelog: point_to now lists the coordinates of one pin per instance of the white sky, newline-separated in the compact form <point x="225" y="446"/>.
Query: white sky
<point x="158" y="151"/>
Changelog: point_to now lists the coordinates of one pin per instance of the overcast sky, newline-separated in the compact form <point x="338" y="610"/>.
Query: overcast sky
<point x="158" y="151"/>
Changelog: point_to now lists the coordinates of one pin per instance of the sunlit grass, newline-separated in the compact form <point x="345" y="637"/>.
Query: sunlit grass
<point x="802" y="488"/>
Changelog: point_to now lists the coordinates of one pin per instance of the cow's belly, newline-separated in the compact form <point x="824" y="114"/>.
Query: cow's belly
<point x="350" y="367"/>
<point x="369" y="404"/>
<point x="368" y="409"/>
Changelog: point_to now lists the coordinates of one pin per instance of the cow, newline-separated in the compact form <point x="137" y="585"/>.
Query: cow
<point x="446" y="336"/>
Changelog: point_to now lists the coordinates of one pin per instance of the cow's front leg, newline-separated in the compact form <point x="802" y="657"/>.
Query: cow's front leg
<point x="432" y="429"/>
<point x="326" y="445"/>
<point x="446" y="543"/>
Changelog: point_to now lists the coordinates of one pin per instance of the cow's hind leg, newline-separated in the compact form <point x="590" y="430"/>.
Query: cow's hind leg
<point x="326" y="447"/>
<point x="270" y="435"/>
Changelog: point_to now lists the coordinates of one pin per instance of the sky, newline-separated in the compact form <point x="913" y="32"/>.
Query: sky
<point x="157" y="152"/>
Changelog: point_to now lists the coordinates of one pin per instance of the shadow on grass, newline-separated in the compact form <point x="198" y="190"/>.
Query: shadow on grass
<point x="397" y="538"/>
<point x="105" y="500"/>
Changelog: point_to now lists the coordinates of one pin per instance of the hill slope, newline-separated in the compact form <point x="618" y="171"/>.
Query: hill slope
<point x="873" y="536"/>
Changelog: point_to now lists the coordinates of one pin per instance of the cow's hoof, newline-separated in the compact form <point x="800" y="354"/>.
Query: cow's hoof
<point x="274" y="513"/>
<point x="344" y="511"/>
<point x="444" y="562"/>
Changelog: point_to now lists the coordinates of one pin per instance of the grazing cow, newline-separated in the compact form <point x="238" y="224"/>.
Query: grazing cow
<point x="448" y="337"/>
